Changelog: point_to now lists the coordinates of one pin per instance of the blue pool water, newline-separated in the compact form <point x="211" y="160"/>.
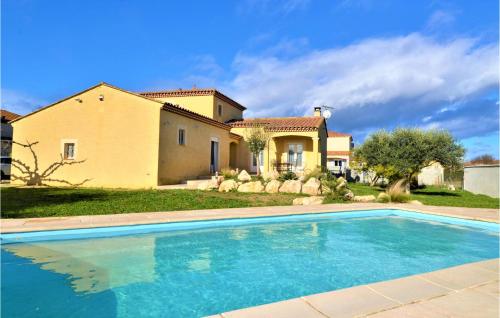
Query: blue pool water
<point x="202" y="268"/>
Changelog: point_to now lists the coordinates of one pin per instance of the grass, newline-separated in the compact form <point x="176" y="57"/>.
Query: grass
<point x="439" y="196"/>
<point x="43" y="202"/>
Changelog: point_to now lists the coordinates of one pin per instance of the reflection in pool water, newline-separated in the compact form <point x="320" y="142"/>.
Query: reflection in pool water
<point x="200" y="272"/>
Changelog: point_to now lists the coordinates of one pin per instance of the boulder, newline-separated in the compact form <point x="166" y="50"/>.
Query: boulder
<point x="255" y="186"/>
<point x="271" y="175"/>
<point x="308" y="200"/>
<point x="273" y="186"/>
<point x="291" y="186"/>
<point x="244" y="176"/>
<point x="218" y="179"/>
<point x="312" y="187"/>
<point x="349" y="195"/>
<point x="364" y="198"/>
<point x="228" y="185"/>
<point x="451" y="187"/>
<point x="415" y="202"/>
<point x="208" y="185"/>
<point x="383" y="197"/>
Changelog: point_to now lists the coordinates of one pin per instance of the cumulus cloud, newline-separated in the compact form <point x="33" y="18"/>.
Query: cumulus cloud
<point x="379" y="82"/>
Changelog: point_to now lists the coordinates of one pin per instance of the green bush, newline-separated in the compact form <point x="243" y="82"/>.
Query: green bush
<point x="315" y="173"/>
<point x="289" y="175"/>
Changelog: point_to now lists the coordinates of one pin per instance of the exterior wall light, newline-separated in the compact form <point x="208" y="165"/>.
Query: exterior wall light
<point x="101" y="97"/>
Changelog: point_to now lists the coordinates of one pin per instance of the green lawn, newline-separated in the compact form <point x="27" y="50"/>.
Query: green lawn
<point x="437" y="196"/>
<point x="42" y="202"/>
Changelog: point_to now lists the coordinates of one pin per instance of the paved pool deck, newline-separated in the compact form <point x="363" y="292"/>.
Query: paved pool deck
<point x="469" y="290"/>
<point x="90" y="221"/>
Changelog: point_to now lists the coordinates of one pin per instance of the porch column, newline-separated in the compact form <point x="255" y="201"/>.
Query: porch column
<point x="269" y="155"/>
<point x="317" y="155"/>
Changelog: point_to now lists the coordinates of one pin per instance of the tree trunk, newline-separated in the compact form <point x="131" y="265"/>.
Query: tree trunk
<point x="374" y="181"/>
<point x="258" y="164"/>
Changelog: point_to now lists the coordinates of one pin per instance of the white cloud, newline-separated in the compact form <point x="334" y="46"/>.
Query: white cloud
<point x="19" y="103"/>
<point x="414" y="69"/>
<point x="272" y="6"/>
<point x="439" y="19"/>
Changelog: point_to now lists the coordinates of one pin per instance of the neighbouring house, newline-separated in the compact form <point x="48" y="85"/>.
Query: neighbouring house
<point x="482" y="178"/>
<point x="339" y="151"/>
<point x="6" y="139"/>
<point x="431" y="175"/>
<point x="105" y="136"/>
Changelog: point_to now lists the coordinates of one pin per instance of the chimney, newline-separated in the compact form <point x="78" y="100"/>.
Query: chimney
<point x="317" y="111"/>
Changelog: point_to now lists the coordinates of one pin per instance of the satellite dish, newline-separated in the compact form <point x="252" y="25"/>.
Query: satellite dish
<point x="327" y="114"/>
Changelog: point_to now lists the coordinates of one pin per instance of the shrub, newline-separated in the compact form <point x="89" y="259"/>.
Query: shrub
<point x="397" y="191"/>
<point x="289" y="175"/>
<point x="228" y="174"/>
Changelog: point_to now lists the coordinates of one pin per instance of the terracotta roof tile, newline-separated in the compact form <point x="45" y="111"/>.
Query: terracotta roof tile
<point x="8" y="116"/>
<point x="281" y="124"/>
<point x="193" y="92"/>
<point x="338" y="153"/>
<point x="337" y="134"/>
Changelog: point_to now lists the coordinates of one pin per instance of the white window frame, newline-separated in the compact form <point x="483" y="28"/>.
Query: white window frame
<point x="301" y="167"/>
<point x="179" y="128"/>
<point x="75" y="148"/>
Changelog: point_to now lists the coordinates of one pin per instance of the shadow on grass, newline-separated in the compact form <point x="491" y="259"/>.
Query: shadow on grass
<point x="16" y="201"/>
<point x="436" y="193"/>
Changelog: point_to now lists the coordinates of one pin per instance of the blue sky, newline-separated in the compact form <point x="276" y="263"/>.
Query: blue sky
<point x="379" y="63"/>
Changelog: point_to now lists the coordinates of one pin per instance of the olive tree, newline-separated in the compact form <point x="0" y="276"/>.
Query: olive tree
<point x="406" y="151"/>
<point x="257" y="138"/>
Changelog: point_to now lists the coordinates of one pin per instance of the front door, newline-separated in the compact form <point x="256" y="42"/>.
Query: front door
<point x="214" y="156"/>
<point x="295" y="157"/>
<point x="253" y="166"/>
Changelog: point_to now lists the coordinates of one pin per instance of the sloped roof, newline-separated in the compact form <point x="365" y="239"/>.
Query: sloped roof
<point x="193" y="92"/>
<point x="337" y="134"/>
<point x="8" y="116"/>
<point x="281" y="124"/>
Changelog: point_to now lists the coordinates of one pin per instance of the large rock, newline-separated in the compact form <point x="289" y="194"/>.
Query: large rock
<point x="271" y="175"/>
<point x="308" y="200"/>
<point x="208" y="185"/>
<point x="273" y="186"/>
<point x="451" y="187"/>
<point x="255" y="186"/>
<point x="228" y="185"/>
<point x="349" y="195"/>
<point x="244" y="176"/>
<point x="415" y="202"/>
<point x="312" y="187"/>
<point x="291" y="186"/>
<point x="364" y="198"/>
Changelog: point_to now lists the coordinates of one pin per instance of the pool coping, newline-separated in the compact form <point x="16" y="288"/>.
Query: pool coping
<point x="459" y="291"/>
<point x="142" y="218"/>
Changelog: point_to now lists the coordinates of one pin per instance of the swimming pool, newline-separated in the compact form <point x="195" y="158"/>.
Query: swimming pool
<point x="193" y="269"/>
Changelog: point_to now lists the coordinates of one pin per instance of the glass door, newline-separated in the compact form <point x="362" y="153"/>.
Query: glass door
<point x="295" y="156"/>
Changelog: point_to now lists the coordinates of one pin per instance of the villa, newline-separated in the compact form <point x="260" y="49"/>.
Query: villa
<point x="105" y="136"/>
<point x="339" y="151"/>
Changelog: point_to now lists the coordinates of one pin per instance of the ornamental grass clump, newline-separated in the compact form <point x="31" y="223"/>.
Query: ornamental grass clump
<point x="398" y="192"/>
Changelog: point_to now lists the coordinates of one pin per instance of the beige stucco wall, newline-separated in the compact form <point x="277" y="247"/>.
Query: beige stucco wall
<point x="482" y="180"/>
<point x="180" y="162"/>
<point x="228" y="111"/>
<point x="207" y="106"/>
<point x="118" y="139"/>
<point x="339" y="143"/>
<point x="431" y="175"/>
<point x="203" y="105"/>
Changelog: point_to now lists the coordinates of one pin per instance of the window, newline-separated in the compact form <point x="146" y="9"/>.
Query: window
<point x="6" y="148"/>
<point x="69" y="150"/>
<point x="219" y="110"/>
<point x="295" y="154"/>
<point x="182" y="136"/>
